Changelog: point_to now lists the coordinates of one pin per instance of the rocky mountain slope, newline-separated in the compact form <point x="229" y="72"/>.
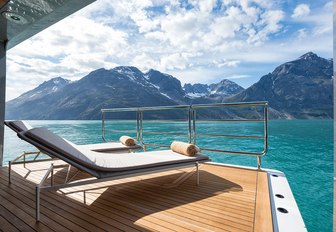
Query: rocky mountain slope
<point x="298" y="89"/>
<point x="83" y="99"/>
<point x="301" y="88"/>
<point x="223" y="88"/>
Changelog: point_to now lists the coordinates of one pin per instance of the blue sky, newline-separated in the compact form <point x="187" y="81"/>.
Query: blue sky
<point x="196" y="41"/>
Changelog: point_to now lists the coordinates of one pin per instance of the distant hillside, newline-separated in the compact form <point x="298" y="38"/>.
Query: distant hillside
<point x="223" y="88"/>
<point x="298" y="89"/>
<point x="301" y="88"/>
<point x="83" y="99"/>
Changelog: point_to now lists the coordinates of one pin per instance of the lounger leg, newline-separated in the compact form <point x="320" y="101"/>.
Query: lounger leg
<point x="9" y="171"/>
<point x="52" y="175"/>
<point x="197" y="174"/>
<point x="84" y="195"/>
<point x="24" y="160"/>
<point x="67" y="175"/>
<point x="37" y="207"/>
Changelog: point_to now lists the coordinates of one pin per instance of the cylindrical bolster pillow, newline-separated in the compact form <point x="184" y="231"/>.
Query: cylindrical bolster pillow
<point x="184" y="148"/>
<point x="128" y="141"/>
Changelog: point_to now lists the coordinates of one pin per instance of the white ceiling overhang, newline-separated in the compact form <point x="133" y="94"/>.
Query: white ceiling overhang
<point x="21" y="19"/>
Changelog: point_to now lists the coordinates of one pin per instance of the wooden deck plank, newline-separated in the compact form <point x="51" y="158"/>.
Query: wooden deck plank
<point x="142" y="201"/>
<point x="18" y="217"/>
<point x="97" y="220"/>
<point x="24" y="199"/>
<point x="126" y="215"/>
<point x="190" y="192"/>
<point x="158" y="227"/>
<point x="169" y="201"/>
<point x="195" y="206"/>
<point x="191" y="213"/>
<point x="6" y="225"/>
<point x="162" y="200"/>
<point x="16" y="223"/>
<point x="263" y="214"/>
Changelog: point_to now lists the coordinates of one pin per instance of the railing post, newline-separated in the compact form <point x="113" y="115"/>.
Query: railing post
<point x="24" y="159"/>
<point x="137" y="124"/>
<point x="52" y="175"/>
<point x="141" y="126"/>
<point x="37" y="202"/>
<point x="9" y="171"/>
<point x="259" y="162"/>
<point x="194" y="125"/>
<point x="103" y="126"/>
<point x="2" y="96"/>
<point x="266" y="127"/>
<point x="197" y="173"/>
<point x="189" y="125"/>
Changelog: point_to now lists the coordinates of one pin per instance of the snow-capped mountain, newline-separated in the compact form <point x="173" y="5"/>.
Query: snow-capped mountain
<point x="122" y="86"/>
<point x="51" y="86"/>
<point x="302" y="88"/>
<point x="223" y="88"/>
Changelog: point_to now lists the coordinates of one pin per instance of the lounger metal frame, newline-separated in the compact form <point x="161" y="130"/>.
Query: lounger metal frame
<point x="96" y="177"/>
<point x="50" y="172"/>
<point x="41" y="187"/>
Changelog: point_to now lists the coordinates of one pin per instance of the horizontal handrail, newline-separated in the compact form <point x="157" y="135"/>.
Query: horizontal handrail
<point x="163" y="132"/>
<point x="234" y="136"/>
<point x="124" y="131"/>
<point x="234" y="152"/>
<point x="230" y="120"/>
<point x="196" y="106"/>
<point x="146" y="108"/>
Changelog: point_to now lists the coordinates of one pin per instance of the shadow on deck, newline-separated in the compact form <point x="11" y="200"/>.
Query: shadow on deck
<point x="226" y="199"/>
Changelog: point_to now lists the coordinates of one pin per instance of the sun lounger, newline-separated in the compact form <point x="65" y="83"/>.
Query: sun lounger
<point x="20" y="126"/>
<point x="103" y="166"/>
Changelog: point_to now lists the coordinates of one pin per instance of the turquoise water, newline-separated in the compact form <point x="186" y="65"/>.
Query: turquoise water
<point x="303" y="150"/>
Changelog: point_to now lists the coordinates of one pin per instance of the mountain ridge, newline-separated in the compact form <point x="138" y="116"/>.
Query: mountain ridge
<point x="223" y="88"/>
<point x="288" y="89"/>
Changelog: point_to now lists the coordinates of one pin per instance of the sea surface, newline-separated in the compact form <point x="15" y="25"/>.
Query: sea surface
<point x="302" y="149"/>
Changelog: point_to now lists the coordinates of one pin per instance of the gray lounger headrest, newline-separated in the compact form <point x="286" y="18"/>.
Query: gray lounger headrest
<point x="18" y="126"/>
<point x="55" y="143"/>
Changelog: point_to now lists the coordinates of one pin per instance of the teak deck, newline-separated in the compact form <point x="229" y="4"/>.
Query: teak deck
<point x="227" y="199"/>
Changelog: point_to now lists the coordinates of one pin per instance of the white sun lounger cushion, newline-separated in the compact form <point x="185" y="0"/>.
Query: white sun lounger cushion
<point x="107" y="162"/>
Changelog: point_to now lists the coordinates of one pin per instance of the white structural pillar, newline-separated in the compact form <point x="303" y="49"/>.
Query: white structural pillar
<point x="2" y="96"/>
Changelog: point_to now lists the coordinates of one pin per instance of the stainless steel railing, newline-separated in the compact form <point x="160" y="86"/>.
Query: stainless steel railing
<point x="190" y="113"/>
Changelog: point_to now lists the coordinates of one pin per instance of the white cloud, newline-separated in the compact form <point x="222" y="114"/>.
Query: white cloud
<point x="301" y="10"/>
<point x="70" y="48"/>
<point x="145" y="62"/>
<point x="302" y="33"/>
<point x="318" y="24"/>
<point x="227" y="63"/>
<point x="238" y="76"/>
<point x="173" y="61"/>
<point x="204" y="6"/>
<point x="198" y="40"/>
